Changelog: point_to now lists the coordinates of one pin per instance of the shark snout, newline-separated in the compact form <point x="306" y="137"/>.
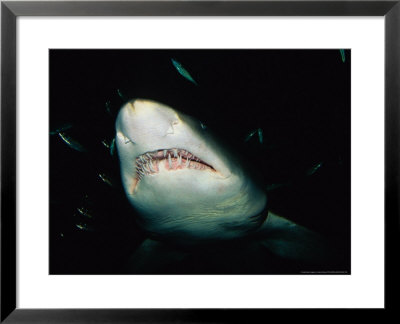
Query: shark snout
<point x="141" y="107"/>
<point x="148" y="110"/>
<point x="146" y="122"/>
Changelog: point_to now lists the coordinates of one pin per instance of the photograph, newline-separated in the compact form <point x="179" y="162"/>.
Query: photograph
<point x="199" y="161"/>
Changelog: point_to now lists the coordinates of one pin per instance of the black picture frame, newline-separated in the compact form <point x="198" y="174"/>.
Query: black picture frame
<point x="10" y="10"/>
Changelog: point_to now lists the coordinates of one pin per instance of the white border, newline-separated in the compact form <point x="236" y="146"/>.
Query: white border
<point x="364" y="288"/>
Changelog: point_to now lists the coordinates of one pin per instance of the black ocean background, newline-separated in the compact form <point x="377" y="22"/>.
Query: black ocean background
<point x="299" y="98"/>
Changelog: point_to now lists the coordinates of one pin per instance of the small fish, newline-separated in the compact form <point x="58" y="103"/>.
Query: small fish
<point x="108" y="106"/>
<point x="84" y="227"/>
<point x="84" y="212"/>
<point x="260" y="135"/>
<point x="62" y="128"/>
<point x="121" y="95"/>
<point x="343" y="55"/>
<point x="112" y="147"/>
<point x="182" y="71"/>
<point x="250" y="135"/>
<point x="104" y="142"/>
<point x="71" y="142"/>
<point x="105" y="179"/>
<point x="314" y="169"/>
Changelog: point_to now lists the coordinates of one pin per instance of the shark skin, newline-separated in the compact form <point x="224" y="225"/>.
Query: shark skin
<point x="189" y="190"/>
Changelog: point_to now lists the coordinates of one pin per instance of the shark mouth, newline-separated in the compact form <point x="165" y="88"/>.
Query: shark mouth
<point x="172" y="159"/>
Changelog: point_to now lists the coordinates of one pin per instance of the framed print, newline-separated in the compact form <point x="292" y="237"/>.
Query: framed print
<point x="162" y="159"/>
<point x="224" y="242"/>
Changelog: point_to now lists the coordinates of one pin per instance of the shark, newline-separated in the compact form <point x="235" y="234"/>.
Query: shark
<point x="188" y="188"/>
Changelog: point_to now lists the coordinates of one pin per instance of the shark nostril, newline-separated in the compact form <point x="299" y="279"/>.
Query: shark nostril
<point x="170" y="129"/>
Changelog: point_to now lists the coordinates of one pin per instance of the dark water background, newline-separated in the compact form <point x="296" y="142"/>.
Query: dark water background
<point x="299" y="98"/>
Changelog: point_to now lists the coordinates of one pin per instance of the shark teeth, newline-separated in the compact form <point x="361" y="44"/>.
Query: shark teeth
<point x="145" y="169"/>
<point x="151" y="167"/>
<point x="169" y="161"/>
<point x="174" y="159"/>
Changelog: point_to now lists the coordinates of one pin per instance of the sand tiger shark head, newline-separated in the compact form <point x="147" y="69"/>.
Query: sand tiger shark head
<point x="182" y="182"/>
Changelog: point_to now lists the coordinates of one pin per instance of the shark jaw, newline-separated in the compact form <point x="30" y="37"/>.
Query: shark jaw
<point x="166" y="160"/>
<point x="184" y="185"/>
